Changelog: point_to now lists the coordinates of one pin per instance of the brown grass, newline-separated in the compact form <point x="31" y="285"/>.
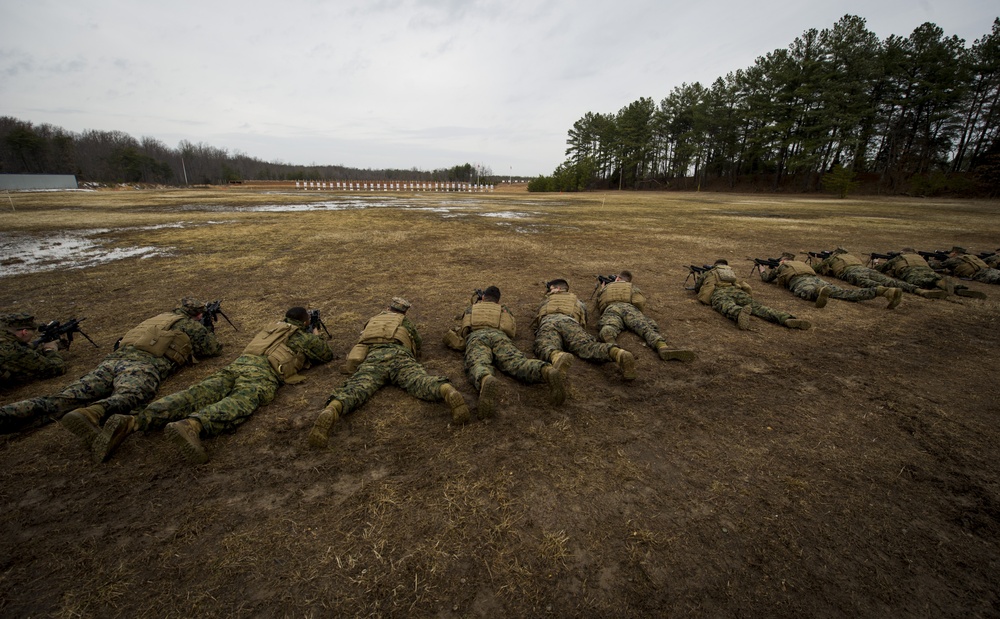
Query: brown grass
<point x="850" y="470"/>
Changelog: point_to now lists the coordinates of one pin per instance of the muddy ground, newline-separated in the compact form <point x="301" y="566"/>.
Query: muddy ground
<point x="849" y="470"/>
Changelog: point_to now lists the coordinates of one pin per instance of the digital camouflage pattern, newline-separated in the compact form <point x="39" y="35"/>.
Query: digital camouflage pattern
<point x="808" y="286"/>
<point x="388" y="364"/>
<point x="864" y="277"/>
<point x="731" y="300"/>
<point x="921" y="276"/>
<point x="123" y="381"/>
<point x="21" y="363"/>
<point x="620" y="316"/>
<point x="486" y="348"/>
<point x="229" y="397"/>
<point x="559" y="332"/>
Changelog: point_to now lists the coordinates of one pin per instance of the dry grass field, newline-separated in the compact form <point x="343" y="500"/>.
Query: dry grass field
<point x="849" y="470"/>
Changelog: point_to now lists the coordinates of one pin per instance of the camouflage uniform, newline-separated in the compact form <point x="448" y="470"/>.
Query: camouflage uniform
<point x="227" y="398"/>
<point x="620" y="315"/>
<point x="972" y="267"/>
<point x="860" y="275"/>
<point x="125" y="380"/>
<point x="807" y="286"/>
<point x="993" y="260"/>
<point x="21" y="363"/>
<point x="912" y="269"/>
<point x="558" y="332"/>
<point x="389" y="363"/>
<point x="486" y="347"/>
<point x="729" y="299"/>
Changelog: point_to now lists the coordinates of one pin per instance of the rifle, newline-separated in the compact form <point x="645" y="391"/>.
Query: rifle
<point x="315" y="322"/>
<point x="986" y="254"/>
<point x="602" y="279"/>
<point x="55" y="330"/>
<point x="694" y="271"/>
<point x="939" y="255"/>
<point x="821" y="255"/>
<point x="770" y="263"/>
<point x="872" y="257"/>
<point x="211" y="316"/>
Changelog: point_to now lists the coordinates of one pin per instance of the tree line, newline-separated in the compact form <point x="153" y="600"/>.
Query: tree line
<point x="117" y="157"/>
<point x="919" y="114"/>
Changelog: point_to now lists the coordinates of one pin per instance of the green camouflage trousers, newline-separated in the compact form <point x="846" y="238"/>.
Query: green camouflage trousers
<point x="730" y="300"/>
<point x="388" y="363"/>
<point x="807" y="287"/>
<point x="119" y="384"/>
<point x="559" y="332"/>
<point x="221" y="402"/>
<point x="921" y="277"/>
<point x="485" y="348"/>
<point x="864" y="277"/>
<point x="987" y="276"/>
<point x="620" y="316"/>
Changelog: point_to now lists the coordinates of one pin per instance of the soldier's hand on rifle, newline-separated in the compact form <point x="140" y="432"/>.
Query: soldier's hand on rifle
<point x="53" y="345"/>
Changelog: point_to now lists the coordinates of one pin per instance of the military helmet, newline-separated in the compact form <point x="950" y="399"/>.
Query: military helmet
<point x="18" y="320"/>
<point x="399" y="304"/>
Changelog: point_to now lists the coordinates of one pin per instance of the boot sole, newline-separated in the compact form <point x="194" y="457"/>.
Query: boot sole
<point x="192" y="452"/>
<point x="82" y="427"/>
<point x="488" y="398"/>
<point x="677" y="355"/>
<point x="628" y="367"/>
<point x="113" y="434"/>
<point x="320" y="433"/>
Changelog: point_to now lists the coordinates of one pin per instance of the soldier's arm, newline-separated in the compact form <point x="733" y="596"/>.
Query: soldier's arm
<point x="312" y="346"/>
<point x="769" y="275"/>
<point x="417" y="342"/>
<point x="32" y="363"/>
<point x="203" y="342"/>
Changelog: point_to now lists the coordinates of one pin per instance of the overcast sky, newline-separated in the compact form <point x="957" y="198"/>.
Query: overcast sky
<point x="396" y="83"/>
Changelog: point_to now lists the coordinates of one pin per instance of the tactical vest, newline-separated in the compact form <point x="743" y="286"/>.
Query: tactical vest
<point x="969" y="265"/>
<point x="619" y="292"/>
<point x="906" y="261"/>
<point x="721" y="276"/>
<point x="489" y="315"/>
<point x="156" y="337"/>
<point x="271" y="343"/>
<point x="387" y="328"/>
<point x="792" y="268"/>
<point x="562" y="303"/>
<point x="841" y="262"/>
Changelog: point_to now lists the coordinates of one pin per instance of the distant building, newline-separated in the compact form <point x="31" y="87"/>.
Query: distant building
<point x="22" y="182"/>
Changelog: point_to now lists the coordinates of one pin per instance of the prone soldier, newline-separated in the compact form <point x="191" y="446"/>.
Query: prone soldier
<point x="21" y="362"/>
<point x="960" y="263"/>
<point x="842" y="265"/>
<point x="802" y="281"/>
<point x="719" y="287"/>
<point x="911" y="267"/>
<point x="621" y="304"/>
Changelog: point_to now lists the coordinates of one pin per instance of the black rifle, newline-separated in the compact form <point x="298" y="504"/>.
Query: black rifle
<point x="821" y="255"/>
<point x="940" y="255"/>
<point x="986" y="254"/>
<point x="316" y="323"/>
<point x="873" y="257"/>
<point x="605" y="279"/>
<point x="694" y="271"/>
<point x="758" y="263"/>
<point x="211" y="316"/>
<point x="477" y="295"/>
<point x="60" y="331"/>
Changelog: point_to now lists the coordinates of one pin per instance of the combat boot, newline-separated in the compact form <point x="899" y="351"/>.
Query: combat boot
<point x="673" y="354"/>
<point x="625" y="361"/>
<point x="743" y="318"/>
<point x="455" y="401"/>
<point x="115" y="430"/>
<point x="85" y="423"/>
<point x="561" y="359"/>
<point x="607" y="335"/>
<point x="453" y="340"/>
<point x="931" y="294"/>
<point x="969" y="293"/>
<point x="555" y="378"/>
<point x="823" y="297"/>
<point x="186" y="434"/>
<point x="894" y="295"/>
<point x="320" y="433"/>
<point x="798" y="323"/>
<point x="488" y="391"/>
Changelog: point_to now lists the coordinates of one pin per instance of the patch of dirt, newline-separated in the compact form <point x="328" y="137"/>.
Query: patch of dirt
<point x="848" y="470"/>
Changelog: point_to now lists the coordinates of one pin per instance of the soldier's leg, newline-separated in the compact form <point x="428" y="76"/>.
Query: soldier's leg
<point x="643" y="326"/>
<point x="987" y="276"/>
<point x="134" y="384"/>
<point x="582" y="344"/>
<point x="548" y="341"/>
<point x="861" y="294"/>
<point x="806" y="287"/>
<point x="768" y="313"/>
<point x="179" y="405"/>
<point x="251" y="389"/>
<point x="513" y="362"/>
<point x="611" y="323"/>
<point x="414" y="379"/>
<point x="729" y="303"/>
<point x="363" y="384"/>
<point x="90" y="388"/>
<point x="478" y="359"/>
